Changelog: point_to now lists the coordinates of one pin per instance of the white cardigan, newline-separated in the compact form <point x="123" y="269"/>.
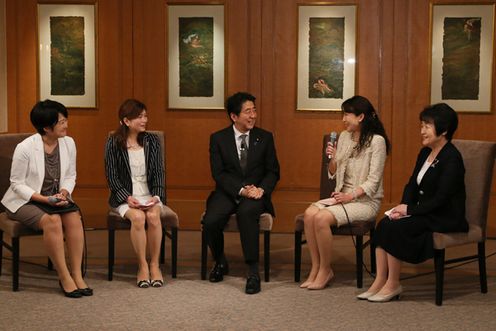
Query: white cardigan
<point x="28" y="170"/>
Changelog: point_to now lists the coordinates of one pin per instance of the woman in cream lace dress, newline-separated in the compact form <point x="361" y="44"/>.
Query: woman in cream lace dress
<point x="357" y="163"/>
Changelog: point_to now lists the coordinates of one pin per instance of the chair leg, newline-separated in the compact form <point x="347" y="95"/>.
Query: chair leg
<point x="1" y="251"/>
<point x="359" y="261"/>
<point x="15" y="264"/>
<point x="49" y="264"/>
<point x="297" y="255"/>
<point x="481" y="248"/>
<point x="372" y="252"/>
<point x="111" y="252"/>
<point x="267" y="255"/>
<point x="204" y="255"/>
<point x="162" y="247"/>
<point x="439" y="267"/>
<point x="174" y="252"/>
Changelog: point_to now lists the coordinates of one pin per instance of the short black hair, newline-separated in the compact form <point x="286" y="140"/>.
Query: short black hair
<point x="443" y="117"/>
<point x="46" y="114"/>
<point x="235" y="102"/>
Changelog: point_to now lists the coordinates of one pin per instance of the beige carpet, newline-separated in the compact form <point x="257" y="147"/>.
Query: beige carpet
<point x="187" y="303"/>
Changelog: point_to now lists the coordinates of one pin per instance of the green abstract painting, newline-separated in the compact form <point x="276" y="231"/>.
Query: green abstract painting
<point x="326" y="57"/>
<point x="67" y="55"/>
<point x="196" y="56"/>
<point x="461" y="58"/>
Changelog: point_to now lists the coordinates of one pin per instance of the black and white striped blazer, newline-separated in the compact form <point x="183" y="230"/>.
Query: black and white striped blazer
<point x="118" y="171"/>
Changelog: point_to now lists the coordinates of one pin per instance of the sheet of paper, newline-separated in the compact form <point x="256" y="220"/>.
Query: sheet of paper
<point x="328" y="201"/>
<point x="388" y="213"/>
<point x="144" y="202"/>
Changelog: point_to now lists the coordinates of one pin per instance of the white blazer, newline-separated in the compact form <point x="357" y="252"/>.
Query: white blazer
<point x="28" y="170"/>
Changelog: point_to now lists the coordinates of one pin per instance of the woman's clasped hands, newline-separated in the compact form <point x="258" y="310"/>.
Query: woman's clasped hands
<point x="58" y="200"/>
<point x="398" y="212"/>
<point x="342" y="197"/>
<point x="135" y="203"/>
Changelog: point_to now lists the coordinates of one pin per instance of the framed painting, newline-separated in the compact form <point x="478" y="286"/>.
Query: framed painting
<point x="196" y="56"/>
<point x="67" y="54"/>
<point x="462" y="52"/>
<point x="326" y="63"/>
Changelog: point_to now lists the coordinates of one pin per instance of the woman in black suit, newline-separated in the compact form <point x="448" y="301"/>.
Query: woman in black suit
<point x="433" y="201"/>
<point x="135" y="175"/>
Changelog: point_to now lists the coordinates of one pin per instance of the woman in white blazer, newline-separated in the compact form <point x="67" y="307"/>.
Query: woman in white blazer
<point x="43" y="173"/>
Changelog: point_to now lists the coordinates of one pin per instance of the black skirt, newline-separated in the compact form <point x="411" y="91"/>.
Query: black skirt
<point x="408" y="239"/>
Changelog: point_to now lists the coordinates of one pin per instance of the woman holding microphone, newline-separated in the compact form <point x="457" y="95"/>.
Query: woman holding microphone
<point x="357" y="163"/>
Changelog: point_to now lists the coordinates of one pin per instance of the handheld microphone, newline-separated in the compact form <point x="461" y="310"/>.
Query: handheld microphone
<point x="53" y="199"/>
<point x="332" y="139"/>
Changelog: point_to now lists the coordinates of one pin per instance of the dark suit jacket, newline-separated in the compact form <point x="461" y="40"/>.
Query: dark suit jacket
<point x="440" y="197"/>
<point x="118" y="171"/>
<point x="262" y="169"/>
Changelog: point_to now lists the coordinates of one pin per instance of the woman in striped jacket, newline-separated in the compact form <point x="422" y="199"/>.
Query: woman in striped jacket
<point x="134" y="169"/>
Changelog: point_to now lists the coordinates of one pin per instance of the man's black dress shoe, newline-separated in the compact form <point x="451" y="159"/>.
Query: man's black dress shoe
<point x="252" y="284"/>
<point x="218" y="272"/>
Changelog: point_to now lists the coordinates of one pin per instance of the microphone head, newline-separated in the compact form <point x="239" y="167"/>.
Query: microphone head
<point x="333" y="137"/>
<point x="52" y="199"/>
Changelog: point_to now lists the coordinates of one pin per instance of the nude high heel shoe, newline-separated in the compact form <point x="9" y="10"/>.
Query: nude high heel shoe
<point x="386" y="297"/>
<point x="365" y="295"/>
<point x="327" y="282"/>
<point x="305" y="284"/>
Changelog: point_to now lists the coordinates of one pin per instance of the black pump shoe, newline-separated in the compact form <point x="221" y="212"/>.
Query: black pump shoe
<point x="87" y="292"/>
<point x="74" y="294"/>
<point x="144" y="283"/>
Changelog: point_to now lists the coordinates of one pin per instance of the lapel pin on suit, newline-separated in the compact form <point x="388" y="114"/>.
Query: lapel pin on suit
<point x="434" y="163"/>
<point x="257" y="140"/>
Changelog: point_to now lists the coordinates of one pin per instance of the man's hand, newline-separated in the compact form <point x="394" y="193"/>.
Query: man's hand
<point x="252" y="192"/>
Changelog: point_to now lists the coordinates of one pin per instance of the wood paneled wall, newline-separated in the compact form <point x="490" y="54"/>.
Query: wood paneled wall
<point x="261" y="42"/>
<point x="3" y="69"/>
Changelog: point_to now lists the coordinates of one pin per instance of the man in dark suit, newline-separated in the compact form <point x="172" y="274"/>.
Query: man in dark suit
<point x="244" y="166"/>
